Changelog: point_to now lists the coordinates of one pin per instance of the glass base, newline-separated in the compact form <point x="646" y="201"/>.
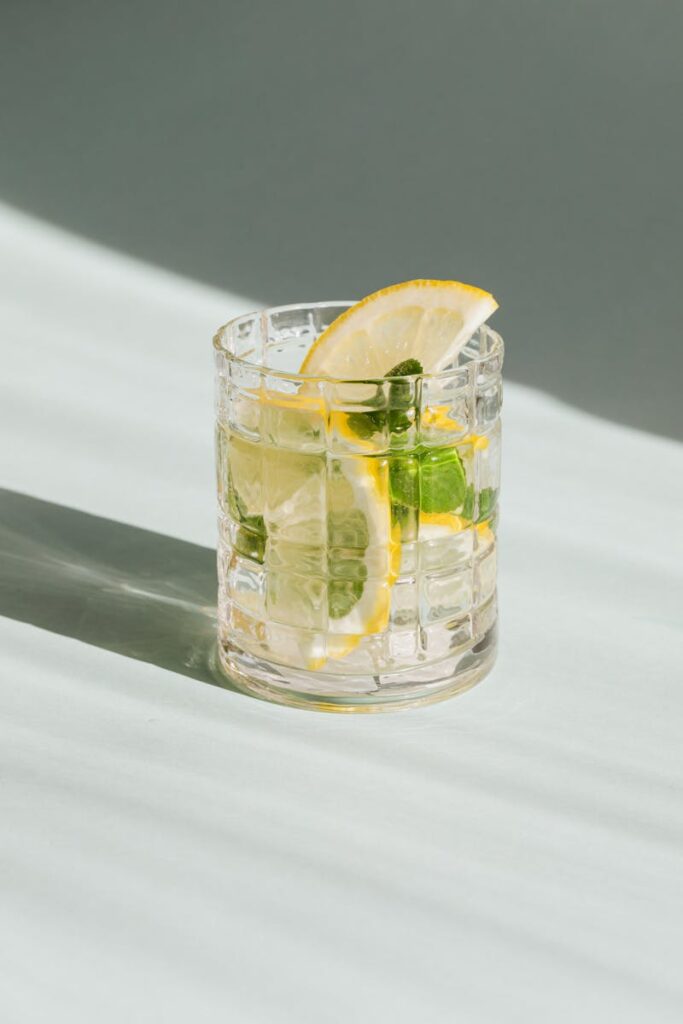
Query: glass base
<point x="388" y="691"/>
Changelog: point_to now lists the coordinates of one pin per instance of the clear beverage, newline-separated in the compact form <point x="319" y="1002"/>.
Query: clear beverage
<point x="357" y="521"/>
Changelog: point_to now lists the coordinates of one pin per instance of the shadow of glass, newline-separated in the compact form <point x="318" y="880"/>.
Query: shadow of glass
<point x="128" y="590"/>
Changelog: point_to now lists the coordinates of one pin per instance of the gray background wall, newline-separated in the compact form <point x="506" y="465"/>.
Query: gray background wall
<point x="297" y="150"/>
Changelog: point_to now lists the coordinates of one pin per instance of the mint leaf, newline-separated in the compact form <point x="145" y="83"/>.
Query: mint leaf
<point x="365" y="424"/>
<point x="235" y="505"/>
<point x="443" y="483"/>
<point x="342" y="595"/>
<point x="400" y="395"/>
<point x="404" y="480"/>
<point x="250" y="539"/>
<point x="348" y="536"/>
<point x="404" y="516"/>
<point x="487" y="501"/>
<point x="432" y="479"/>
<point x="407" y="368"/>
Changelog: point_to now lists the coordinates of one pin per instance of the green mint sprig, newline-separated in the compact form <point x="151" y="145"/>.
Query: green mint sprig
<point x="431" y="479"/>
<point x="396" y="416"/>
<point x="487" y="502"/>
<point x="251" y="535"/>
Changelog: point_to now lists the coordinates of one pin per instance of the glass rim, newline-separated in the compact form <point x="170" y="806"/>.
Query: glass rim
<point x="219" y="338"/>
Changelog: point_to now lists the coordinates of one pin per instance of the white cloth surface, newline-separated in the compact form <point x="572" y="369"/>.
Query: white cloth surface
<point x="171" y="851"/>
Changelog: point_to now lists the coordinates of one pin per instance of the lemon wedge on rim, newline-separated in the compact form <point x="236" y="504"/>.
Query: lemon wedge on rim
<point x="430" y="321"/>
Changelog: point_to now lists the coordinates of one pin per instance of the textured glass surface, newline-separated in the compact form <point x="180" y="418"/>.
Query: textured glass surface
<point x="356" y="563"/>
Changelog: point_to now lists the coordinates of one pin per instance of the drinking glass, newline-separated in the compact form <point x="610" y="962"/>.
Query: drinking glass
<point x="357" y="520"/>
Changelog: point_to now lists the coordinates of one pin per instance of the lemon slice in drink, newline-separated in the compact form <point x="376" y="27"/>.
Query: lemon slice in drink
<point x="326" y="536"/>
<point x="425" y="320"/>
<point x="332" y="555"/>
<point x="442" y="525"/>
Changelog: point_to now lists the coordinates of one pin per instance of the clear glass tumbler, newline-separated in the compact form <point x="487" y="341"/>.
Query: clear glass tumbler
<point x="357" y="520"/>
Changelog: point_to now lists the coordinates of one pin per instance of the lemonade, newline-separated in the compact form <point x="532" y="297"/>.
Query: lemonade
<point x="357" y="552"/>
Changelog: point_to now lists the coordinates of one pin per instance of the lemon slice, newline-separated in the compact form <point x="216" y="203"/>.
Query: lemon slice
<point x="437" y="525"/>
<point x="361" y="576"/>
<point x="332" y="557"/>
<point x="329" y="546"/>
<point x="430" y="321"/>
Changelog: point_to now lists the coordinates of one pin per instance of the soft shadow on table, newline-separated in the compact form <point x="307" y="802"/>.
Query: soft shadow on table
<point x="132" y="591"/>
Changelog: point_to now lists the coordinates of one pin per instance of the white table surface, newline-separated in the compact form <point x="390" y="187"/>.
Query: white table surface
<point x="172" y="851"/>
